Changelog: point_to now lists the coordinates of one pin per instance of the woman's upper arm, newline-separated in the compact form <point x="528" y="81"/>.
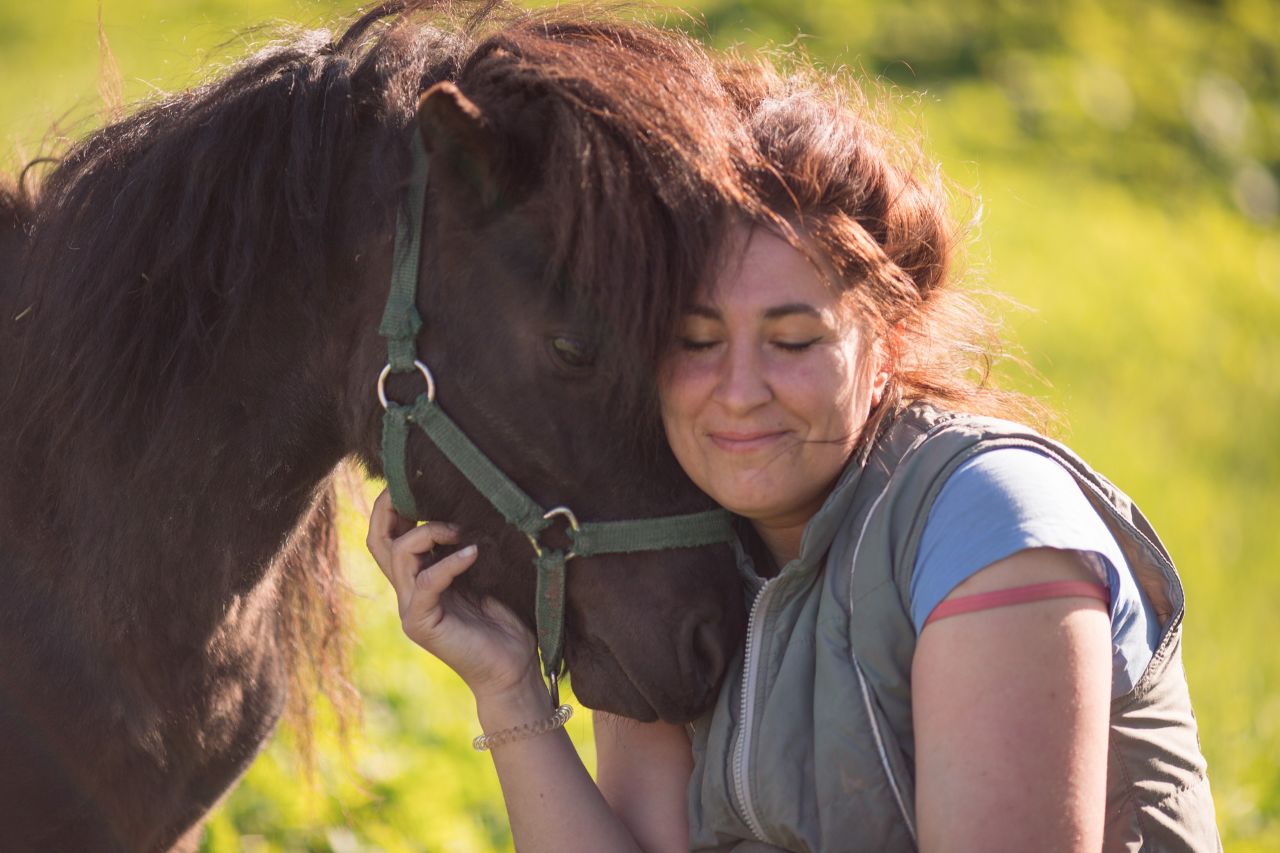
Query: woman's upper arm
<point x="643" y="770"/>
<point x="1011" y="709"/>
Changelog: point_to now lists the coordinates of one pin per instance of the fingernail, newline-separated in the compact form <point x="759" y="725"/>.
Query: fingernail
<point x="467" y="551"/>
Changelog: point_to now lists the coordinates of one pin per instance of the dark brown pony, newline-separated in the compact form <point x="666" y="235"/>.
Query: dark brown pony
<point x="188" y="348"/>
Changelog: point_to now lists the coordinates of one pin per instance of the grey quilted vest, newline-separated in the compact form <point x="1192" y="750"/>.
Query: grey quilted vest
<point x="810" y="744"/>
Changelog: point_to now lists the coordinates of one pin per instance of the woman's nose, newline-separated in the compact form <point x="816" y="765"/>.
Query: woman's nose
<point x="742" y="384"/>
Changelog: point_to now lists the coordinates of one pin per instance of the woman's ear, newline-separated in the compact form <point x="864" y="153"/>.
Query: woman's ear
<point x="883" y="362"/>
<point x="463" y="144"/>
<point x="879" y="382"/>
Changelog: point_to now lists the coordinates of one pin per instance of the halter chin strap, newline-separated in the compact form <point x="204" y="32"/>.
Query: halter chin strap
<point x="400" y="325"/>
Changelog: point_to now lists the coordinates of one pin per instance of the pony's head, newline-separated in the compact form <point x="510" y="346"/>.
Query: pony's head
<point x="579" y="179"/>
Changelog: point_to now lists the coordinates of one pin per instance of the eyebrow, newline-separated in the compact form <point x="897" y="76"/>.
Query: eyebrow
<point x="773" y="313"/>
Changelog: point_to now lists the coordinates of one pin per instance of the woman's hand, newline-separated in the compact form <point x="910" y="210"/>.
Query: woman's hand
<point x="496" y="655"/>
<point x="487" y="646"/>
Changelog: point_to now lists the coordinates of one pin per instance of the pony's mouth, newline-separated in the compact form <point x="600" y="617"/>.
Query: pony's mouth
<point x="603" y="682"/>
<point x="602" y="685"/>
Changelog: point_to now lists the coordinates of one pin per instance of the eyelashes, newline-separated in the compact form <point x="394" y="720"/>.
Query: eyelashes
<point x="699" y="345"/>
<point x="796" y="346"/>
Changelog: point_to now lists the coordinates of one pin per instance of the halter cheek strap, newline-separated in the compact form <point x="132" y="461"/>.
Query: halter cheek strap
<point x="400" y="326"/>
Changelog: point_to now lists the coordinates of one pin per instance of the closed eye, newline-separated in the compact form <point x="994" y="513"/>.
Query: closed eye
<point x="696" y="344"/>
<point x="796" y="346"/>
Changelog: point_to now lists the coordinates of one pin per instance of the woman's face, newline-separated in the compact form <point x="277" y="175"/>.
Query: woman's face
<point x="769" y="384"/>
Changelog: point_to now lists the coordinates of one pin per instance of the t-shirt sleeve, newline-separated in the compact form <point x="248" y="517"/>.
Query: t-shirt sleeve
<point x="1011" y="499"/>
<point x="991" y="507"/>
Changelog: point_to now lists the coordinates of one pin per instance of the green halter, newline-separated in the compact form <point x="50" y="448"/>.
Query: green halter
<point x="400" y="325"/>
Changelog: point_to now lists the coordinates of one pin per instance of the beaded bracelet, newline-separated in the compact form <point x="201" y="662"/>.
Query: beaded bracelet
<point x="528" y="730"/>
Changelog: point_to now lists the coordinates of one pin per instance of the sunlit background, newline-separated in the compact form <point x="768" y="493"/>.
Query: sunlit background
<point x="1125" y="156"/>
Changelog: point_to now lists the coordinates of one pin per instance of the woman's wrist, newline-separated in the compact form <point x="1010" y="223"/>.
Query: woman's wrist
<point x="523" y="702"/>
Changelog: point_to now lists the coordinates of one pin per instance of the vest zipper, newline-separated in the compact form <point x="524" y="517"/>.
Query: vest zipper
<point x="741" y="784"/>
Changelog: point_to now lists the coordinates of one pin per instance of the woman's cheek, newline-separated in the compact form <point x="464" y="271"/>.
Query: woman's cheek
<point x="685" y="383"/>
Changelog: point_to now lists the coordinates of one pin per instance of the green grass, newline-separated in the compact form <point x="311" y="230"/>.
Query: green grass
<point x="1153" y="310"/>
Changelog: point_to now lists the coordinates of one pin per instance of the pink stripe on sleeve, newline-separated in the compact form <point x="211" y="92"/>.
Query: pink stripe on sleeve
<point x="1019" y="595"/>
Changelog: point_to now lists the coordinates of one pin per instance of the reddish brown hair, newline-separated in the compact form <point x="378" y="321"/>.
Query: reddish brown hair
<point x="873" y="212"/>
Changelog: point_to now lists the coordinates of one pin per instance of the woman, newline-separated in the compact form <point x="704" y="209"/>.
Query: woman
<point x="960" y="637"/>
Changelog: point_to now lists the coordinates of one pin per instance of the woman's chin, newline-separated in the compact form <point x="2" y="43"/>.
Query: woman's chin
<point x="752" y="507"/>
<point x="758" y="492"/>
<point x="770" y="504"/>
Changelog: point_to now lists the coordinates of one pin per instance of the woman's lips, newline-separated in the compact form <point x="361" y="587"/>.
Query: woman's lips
<point x="744" y="442"/>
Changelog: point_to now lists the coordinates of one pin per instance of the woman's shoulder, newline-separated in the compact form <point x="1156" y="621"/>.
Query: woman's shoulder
<point x="992" y="506"/>
<point x="922" y="436"/>
<point x="1007" y="500"/>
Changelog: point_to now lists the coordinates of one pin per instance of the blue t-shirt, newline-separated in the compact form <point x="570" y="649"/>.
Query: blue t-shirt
<point x="1006" y="500"/>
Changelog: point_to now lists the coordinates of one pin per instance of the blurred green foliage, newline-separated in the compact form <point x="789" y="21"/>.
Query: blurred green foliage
<point x="1125" y="155"/>
<point x="1167" y="95"/>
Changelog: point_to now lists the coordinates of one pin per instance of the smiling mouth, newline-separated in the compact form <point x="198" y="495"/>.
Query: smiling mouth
<point x="744" y="442"/>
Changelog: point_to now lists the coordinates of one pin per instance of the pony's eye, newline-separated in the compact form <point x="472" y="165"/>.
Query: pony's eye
<point x="573" y="352"/>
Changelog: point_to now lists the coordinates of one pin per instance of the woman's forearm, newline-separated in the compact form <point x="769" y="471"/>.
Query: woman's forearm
<point x="552" y="801"/>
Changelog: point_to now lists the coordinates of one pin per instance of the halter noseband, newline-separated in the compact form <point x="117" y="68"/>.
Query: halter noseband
<point x="400" y="325"/>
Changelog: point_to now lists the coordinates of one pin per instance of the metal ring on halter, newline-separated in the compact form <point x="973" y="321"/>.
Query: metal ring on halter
<point x="422" y="368"/>
<point x="548" y="515"/>
<point x="566" y="512"/>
